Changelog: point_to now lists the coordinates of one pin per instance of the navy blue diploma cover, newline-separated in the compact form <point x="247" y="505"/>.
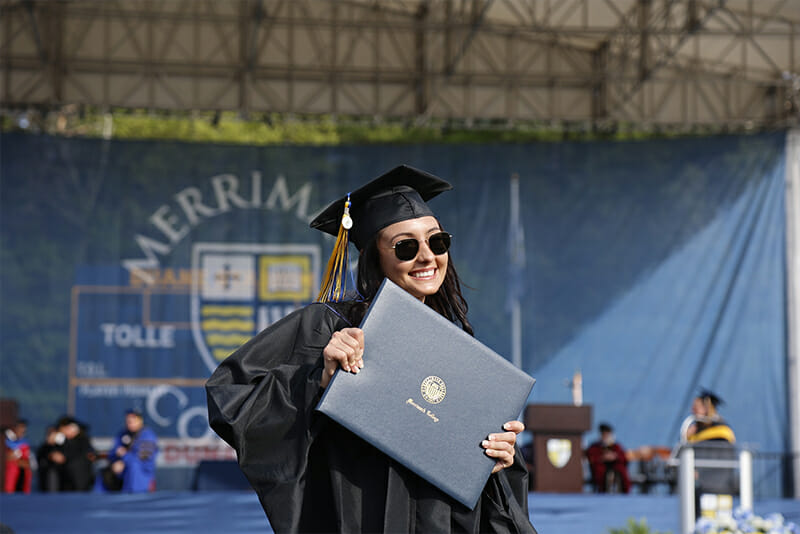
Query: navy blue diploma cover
<point x="428" y="394"/>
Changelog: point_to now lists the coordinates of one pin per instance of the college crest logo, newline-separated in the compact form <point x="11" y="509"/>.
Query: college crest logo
<point x="559" y="451"/>
<point x="433" y="389"/>
<point x="238" y="289"/>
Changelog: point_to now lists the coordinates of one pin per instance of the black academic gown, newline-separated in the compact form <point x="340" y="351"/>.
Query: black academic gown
<point x="77" y="473"/>
<point x="313" y="475"/>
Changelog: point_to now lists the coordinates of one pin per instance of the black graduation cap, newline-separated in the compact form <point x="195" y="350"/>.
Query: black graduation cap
<point x="65" y="420"/>
<point x="605" y="427"/>
<point x="395" y="196"/>
<point x="712" y="397"/>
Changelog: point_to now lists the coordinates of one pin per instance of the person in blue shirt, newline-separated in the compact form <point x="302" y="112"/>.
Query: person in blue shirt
<point x="132" y="459"/>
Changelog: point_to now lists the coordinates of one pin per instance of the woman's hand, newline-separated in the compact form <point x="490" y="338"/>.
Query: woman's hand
<point x="345" y="349"/>
<point x="501" y="446"/>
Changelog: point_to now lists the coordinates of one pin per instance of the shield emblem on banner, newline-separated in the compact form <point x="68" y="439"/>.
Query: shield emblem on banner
<point x="238" y="289"/>
<point x="559" y="451"/>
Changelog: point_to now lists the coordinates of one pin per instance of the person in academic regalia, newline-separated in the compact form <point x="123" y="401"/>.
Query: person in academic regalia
<point x="66" y="458"/>
<point x="311" y="474"/>
<point x="48" y="470"/>
<point x="712" y="439"/>
<point x="608" y="462"/>
<point x="708" y="423"/>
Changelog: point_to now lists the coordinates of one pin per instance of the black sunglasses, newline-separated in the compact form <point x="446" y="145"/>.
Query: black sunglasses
<point x="407" y="249"/>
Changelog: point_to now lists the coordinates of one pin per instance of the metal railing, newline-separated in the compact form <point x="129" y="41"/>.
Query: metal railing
<point x="687" y="463"/>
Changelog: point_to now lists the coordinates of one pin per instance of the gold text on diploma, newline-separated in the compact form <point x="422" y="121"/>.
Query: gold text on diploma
<point x="423" y="410"/>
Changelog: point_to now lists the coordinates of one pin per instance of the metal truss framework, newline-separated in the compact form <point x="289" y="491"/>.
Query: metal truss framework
<point x="660" y="62"/>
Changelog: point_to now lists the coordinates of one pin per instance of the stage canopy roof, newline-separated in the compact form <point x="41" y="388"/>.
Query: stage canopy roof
<point x="666" y="63"/>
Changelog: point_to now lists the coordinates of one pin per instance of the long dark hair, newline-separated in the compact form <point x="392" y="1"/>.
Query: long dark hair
<point x="448" y="301"/>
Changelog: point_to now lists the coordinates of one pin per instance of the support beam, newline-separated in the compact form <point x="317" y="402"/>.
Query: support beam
<point x="420" y="59"/>
<point x="793" y="299"/>
<point x="644" y="40"/>
<point x="478" y="16"/>
<point x="600" y="86"/>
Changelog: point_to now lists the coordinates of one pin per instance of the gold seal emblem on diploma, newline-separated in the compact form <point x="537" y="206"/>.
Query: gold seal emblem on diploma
<point x="433" y="389"/>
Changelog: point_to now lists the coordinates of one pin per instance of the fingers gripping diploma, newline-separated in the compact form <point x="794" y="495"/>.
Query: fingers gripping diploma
<point x="500" y="446"/>
<point x="345" y="349"/>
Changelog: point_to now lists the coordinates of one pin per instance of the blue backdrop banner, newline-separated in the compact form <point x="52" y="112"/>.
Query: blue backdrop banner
<point x="130" y="269"/>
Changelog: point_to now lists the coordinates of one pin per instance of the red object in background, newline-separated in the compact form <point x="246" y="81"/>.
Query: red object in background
<point x="8" y="417"/>
<point x="603" y="458"/>
<point x="18" y="469"/>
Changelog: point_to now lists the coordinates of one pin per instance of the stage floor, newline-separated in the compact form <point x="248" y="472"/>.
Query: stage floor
<point x="240" y="512"/>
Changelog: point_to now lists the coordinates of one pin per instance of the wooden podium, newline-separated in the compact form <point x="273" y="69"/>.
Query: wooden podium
<point x="557" y="445"/>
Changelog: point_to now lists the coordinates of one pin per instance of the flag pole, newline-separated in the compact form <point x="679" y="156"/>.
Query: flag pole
<point x="516" y="261"/>
<point x="793" y="300"/>
<point x="516" y="334"/>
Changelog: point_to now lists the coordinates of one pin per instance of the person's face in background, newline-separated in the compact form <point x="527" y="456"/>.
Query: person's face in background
<point x="423" y="275"/>
<point x="607" y="437"/>
<point x="699" y="408"/>
<point x="70" y="430"/>
<point x="133" y="423"/>
<point x="20" y="429"/>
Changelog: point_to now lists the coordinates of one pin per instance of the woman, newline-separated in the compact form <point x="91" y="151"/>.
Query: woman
<point x="311" y="474"/>
<point x="706" y="422"/>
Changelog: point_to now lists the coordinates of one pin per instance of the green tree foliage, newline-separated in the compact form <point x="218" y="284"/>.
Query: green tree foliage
<point x="281" y="129"/>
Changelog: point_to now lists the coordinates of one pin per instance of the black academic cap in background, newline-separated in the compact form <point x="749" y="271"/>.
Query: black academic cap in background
<point x="65" y="420"/>
<point x="605" y="427"/>
<point x="712" y="397"/>
<point x="395" y="196"/>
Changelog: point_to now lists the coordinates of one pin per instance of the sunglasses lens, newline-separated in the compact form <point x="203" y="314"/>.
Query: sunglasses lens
<point x="439" y="243"/>
<point x="406" y="249"/>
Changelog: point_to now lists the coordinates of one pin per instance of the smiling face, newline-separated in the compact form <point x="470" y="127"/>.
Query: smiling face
<point x="421" y="276"/>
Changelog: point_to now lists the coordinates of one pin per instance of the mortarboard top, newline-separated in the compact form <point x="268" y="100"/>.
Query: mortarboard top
<point x="398" y="195"/>
<point x="66" y="420"/>
<point x="712" y="397"/>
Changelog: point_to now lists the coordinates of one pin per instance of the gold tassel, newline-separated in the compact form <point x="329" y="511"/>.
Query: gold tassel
<point x="334" y="282"/>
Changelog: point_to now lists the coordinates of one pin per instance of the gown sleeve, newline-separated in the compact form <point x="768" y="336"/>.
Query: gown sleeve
<point x="504" y="501"/>
<point x="261" y="401"/>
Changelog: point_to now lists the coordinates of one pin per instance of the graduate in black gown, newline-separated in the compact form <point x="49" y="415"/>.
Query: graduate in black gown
<point x="712" y="439"/>
<point x="311" y="474"/>
<point x="708" y="424"/>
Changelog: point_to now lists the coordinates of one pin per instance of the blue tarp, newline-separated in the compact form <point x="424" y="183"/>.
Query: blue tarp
<point x="653" y="267"/>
